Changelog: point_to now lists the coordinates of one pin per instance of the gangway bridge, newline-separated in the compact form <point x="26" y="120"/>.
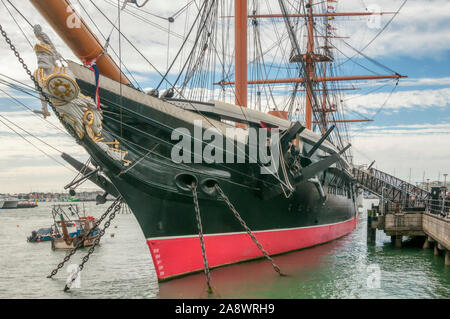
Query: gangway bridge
<point x="406" y="210"/>
<point x="390" y="188"/>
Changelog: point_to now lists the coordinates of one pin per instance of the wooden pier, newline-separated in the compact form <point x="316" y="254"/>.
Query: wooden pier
<point x="406" y="210"/>
<point x="435" y="228"/>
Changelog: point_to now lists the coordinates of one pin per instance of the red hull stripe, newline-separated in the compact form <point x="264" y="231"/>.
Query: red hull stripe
<point x="174" y="256"/>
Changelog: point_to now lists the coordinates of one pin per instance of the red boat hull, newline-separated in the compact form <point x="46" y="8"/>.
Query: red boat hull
<point x="175" y="256"/>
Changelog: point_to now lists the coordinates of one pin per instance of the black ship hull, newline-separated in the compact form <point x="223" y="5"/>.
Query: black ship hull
<point x="157" y="191"/>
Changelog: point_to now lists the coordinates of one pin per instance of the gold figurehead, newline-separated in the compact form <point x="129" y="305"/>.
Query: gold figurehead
<point x="76" y="109"/>
<point x="44" y="48"/>
<point x="59" y="83"/>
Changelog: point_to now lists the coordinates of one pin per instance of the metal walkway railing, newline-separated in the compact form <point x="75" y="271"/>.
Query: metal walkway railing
<point x="397" y="194"/>
<point x="390" y="188"/>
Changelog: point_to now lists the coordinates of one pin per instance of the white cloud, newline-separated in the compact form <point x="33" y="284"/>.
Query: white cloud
<point x="420" y="30"/>
<point x="397" y="154"/>
<point x="419" y="99"/>
<point x="22" y="165"/>
<point x="34" y="176"/>
<point x="426" y="81"/>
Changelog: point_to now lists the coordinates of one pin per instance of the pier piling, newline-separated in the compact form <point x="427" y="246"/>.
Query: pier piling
<point x="407" y="210"/>
<point x="433" y="227"/>
<point x="398" y="241"/>
<point x="436" y="250"/>
<point x="372" y="221"/>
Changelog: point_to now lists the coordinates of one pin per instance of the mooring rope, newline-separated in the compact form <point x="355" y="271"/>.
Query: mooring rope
<point x="193" y="187"/>
<point x="244" y="225"/>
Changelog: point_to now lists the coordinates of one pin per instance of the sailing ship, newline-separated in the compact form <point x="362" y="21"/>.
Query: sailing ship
<point x="306" y="200"/>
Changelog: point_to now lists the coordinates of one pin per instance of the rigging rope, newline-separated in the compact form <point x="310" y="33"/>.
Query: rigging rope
<point x="31" y="143"/>
<point x="379" y="33"/>
<point x="81" y="174"/>
<point x="175" y="89"/>
<point x="18" y="102"/>
<point x="18" y="25"/>
<point x="361" y="128"/>
<point x="180" y="50"/>
<point x="18" y="11"/>
<point x="107" y="41"/>
<point x="32" y="135"/>
<point x="120" y="63"/>
<point x="150" y="135"/>
<point x="176" y="14"/>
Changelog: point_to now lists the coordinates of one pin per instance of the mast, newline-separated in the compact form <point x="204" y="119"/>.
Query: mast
<point x="309" y="59"/>
<point x="309" y="66"/>
<point x="240" y="39"/>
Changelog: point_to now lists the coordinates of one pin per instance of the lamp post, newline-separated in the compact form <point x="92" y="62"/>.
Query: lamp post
<point x="444" y="200"/>
<point x="445" y="185"/>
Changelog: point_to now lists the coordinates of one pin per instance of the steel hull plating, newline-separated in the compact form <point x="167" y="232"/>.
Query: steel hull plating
<point x="223" y="249"/>
<point x="165" y="211"/>
<point x="281" y="225"/>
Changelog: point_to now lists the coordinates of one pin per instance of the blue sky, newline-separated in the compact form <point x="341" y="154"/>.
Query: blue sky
<point x="410" y="132"/>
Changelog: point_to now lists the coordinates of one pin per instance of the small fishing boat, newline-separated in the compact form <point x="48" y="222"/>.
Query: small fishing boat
<point x="27" y="204"/>
<point x="46" y="234"/>
<point x="68" y="233"/>
<point x="42" y="234"/>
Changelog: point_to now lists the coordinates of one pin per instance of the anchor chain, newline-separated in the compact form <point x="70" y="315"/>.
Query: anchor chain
<point x="38" y="85"/>
<point x="248" y="230"/>
<point x="96" y="242"/>
<point x="116" y="203"/>
<point x="193" y="187"/>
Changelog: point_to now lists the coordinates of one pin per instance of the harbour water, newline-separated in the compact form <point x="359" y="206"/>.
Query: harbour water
<point x="122" y="267"/>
